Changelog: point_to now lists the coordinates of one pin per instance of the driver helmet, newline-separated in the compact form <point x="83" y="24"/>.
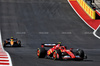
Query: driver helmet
<point x="58" y="42"/>
<point x="11" y="37"/>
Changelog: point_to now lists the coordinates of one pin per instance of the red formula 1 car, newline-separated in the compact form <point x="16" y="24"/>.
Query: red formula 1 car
<point x="58" y="52"/>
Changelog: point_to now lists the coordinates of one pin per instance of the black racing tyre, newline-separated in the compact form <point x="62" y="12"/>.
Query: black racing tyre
<point x="41" y="52"/>
<point x="19" y="43"/>
<point x="74" y="51"/>
<point x="81" y="53"/>
<point x="4" y="44"/>
<point x="57" y="55"/>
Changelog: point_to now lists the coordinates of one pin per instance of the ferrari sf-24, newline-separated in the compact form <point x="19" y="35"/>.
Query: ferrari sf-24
<point x="60" y="52"/>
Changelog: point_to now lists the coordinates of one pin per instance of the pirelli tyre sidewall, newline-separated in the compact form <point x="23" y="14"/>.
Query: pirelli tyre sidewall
<point x="41" y="52"/>
<point x="57" y="55"/>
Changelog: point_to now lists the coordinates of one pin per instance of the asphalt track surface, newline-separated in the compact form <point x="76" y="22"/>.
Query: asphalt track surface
<point x="46" y="21"/>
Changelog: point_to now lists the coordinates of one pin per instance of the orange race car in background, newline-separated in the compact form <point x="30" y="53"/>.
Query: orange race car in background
<point x="12" y="42"/>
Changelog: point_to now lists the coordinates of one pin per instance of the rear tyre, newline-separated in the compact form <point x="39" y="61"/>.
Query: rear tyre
<point x="57" y="55"/>
<point x="41" y="52"/>
<point x="19" y="43"/>
<point x="4" y="44"/>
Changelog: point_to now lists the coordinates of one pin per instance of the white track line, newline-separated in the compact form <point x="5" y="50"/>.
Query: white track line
<point x="98" y="11"/>
<point x="94" y="32"/>
<point x="9" y="58"/>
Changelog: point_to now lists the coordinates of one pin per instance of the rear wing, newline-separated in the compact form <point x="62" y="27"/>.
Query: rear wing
<point x="48" y="45"/>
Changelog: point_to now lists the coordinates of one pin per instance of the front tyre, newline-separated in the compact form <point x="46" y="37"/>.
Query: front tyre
<point x="57" y="55"/>
<point x="81" y="53"/>
<point x="41" y="52"/>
